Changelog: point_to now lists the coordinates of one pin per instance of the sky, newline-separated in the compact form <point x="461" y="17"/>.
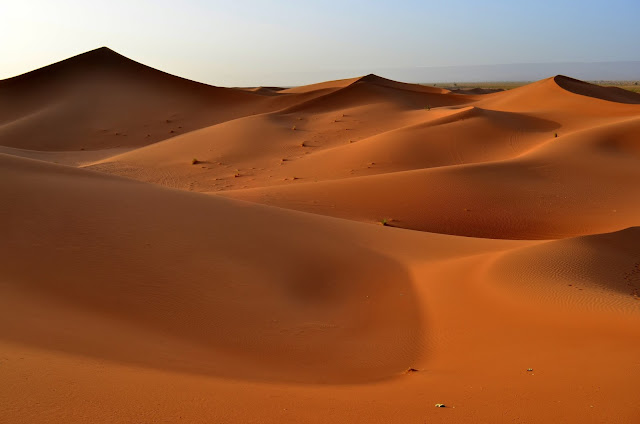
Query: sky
<point x="250" y="43"/>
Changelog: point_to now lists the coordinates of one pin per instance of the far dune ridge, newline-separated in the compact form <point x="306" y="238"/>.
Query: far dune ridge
<point x="360" y="250"/>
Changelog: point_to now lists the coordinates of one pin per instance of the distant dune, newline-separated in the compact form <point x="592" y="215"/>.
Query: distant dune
<point x="612" y="94"/>
<point x="101" y="99"/>
<point x="589" y="71"/>
<point x="356" y="250"/>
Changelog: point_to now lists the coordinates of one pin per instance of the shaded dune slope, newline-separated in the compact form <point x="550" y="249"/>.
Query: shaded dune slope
<point x="611" y="94"/>
<point x="101" y="99"/>
<point x="595" y="272"/>
<point x="133" y="273"/>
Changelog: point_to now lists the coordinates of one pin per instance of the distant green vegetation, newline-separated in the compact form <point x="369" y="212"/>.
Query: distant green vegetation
<point x="505" y="85"/>
<point x="508" y="85"/>
<point x="627" y="85"/>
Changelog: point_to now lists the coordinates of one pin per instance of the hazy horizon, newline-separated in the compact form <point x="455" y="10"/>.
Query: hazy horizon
<point x="285" y="43"/>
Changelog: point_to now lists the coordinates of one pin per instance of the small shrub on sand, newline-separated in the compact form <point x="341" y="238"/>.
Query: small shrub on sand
<point x="385" y="222"/>
<point x="293" y="128"/>
<point x="194" y="161"/>
<point x="555" y="135"/>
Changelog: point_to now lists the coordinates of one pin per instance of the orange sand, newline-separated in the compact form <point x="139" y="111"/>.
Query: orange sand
<point x="130" y="301"/>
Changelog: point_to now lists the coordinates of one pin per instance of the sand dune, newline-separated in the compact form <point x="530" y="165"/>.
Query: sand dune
<point x="101" y="99"/>
<point x="476" y="90"/>
<point x="510" y="294"/>
<point x="437" y="141"/>
<point x="373" y="89"/>
<point x="206" y="292"/>
<point x="553" y="272"/>
<point x="483" y="172"/>
<point x="209" y="297"/>
<point x="559" y="97"/>
<point x="267" y="91"/>
<point x="612" y="94"/>
<point x="541" y="194"/>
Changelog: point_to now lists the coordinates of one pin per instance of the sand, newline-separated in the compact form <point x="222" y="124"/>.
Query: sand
<point x="256" y="282"/>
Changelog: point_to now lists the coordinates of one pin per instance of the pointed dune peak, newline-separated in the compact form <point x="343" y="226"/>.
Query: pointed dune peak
<point x="104" y="52"/>
<point x="370" y="79"/>
<point x="611" y="94"/>
<point x="375" y="79"/>
<point x="101" y="55"/>
<point x="102" y="58"/>
<point x="563" y="78"/>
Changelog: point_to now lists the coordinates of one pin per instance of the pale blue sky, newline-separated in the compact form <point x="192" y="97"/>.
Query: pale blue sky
<point x="262" y="42"/>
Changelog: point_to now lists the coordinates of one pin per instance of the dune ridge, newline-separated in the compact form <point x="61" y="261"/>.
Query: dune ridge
<point x="612" y="94"/>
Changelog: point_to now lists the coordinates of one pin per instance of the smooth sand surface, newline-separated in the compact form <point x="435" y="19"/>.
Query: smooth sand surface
<point x="240" y="274"/>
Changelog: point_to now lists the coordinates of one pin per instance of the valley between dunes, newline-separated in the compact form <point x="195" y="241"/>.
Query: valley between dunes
<point x="177" y="252"/>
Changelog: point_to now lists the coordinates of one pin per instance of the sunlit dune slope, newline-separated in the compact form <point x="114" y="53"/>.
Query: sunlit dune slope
<point x="579" y="184"/>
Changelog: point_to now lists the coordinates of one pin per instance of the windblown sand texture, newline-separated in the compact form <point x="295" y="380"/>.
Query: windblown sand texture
<point x="178" y="252"/>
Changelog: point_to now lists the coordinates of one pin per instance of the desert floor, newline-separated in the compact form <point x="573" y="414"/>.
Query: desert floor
<point x="353" y="251"/>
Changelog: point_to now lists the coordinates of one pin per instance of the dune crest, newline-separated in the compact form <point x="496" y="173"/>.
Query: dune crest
<point x="611" y="94"/>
